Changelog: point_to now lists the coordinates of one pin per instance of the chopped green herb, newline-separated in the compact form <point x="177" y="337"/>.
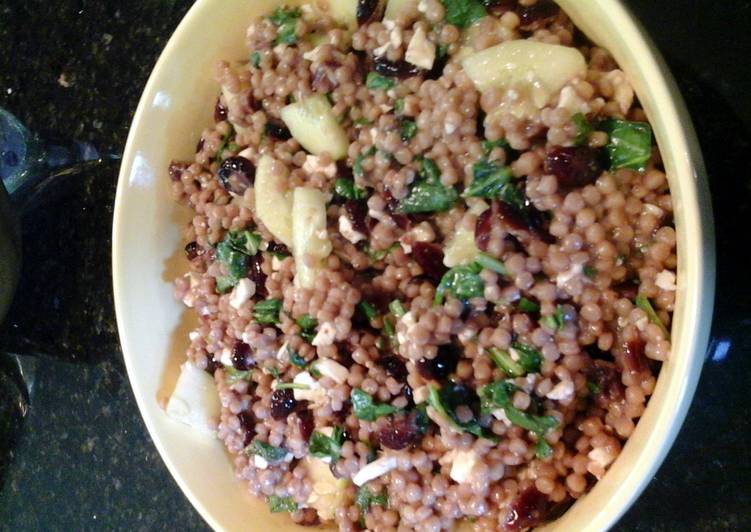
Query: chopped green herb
<point x="380" y="254"/>
<point x="491" y="263"/>
<point x="543" y="449"/>
<point x="629" y="144"/>
<point x="285" y="19"/>
<point x="347" y="189"/>
<point x="593" y="388"/>
<point x="267" y="312"/>
<point x="555" y="321"/>
<point x="255" y="59"/>
<point x="390" y="332"/>
<point x="428" y="196"/>
<point x="397" y="309"/>
<point x="292" y="386"/>
<point x="590" y="271"/>
<point x="223" y="146"/>
<point x="489" y="180"/>
<point x="314" y="372"/>
<point x="266" y="451"/>
<point x="233" y="251"/>
<point x="225" y="283"/>
<point x="307" y="324"/>
<point x="295" y="358"/>
<point x="361" y="122"/>
<point x="233" y="147"/>
<point x="368" y="310"/>
<point x="526" y="305"/>
<point x="463" y="282"/>
<point x="430" y="170"/>
<point x="529" y="357"/>
<point x="408" y="129"/>
<point x="644" y="304"/>
<point x="271" y="370"/>
<point x="322" y="446"/>
<point x="499" y="395"/>
<point x="366" y="409"/>
<point x="366" y="498"/>
<point x="357" y="167"/>
<point x="505" y="363"/>
<point x="490" y="145"/>
<point x="442" y="51"/>
<point x="233" y="376"/>
<point x="515" y="197"/>
<point x="462" y="13"/>
<point x="376" y="81"/>
<point x="399" y="106"/>
<point x="445" y="400"/>
<point x="583" y="128"/>
<point x="281" y="504"/>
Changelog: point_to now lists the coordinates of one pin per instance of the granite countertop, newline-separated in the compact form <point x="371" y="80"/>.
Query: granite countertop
<point x="81" y="459"/>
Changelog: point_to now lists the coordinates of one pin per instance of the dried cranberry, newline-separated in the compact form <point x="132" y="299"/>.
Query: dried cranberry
<point x="511" y="217"/>
<point x="439" y="63"/>
<point x="430" y="258"/>
<point x="633" y="355"/>
<point x="367" y="11"/>
<point x="528" y="509"/>
<point x="283" y="403"/>
<point x="440" y="367"/>
<point x="395" y="69"/>
<point x="193" y="250"/>
<point x="220" y="111"/>
<point x="483" y="228"/>
<point x="392" y="207"/>
<point x="176" y="169"/>
<point x="344" y="352"/>
<point x="627" y="289"/>
<point x="256" y="274"/>
<point x="606" y="380"/>
<point x="357" y="212"/>
<point x="276" y="247"/>
<point x="574" y="166"/>
<point x="305" y="423"/>
<point x="395" y="367"/>
<point x="248" y="425"/>
<point x="241" y="356"/>
<point x="537" y="15"/>
<point x="308" y="517"/>
<point x="212" y="365"/>
<point x="236" y="174"/>
<point x="531" y="220"/>
<point x="400" y="432"/>
<point x="276" y="129"/>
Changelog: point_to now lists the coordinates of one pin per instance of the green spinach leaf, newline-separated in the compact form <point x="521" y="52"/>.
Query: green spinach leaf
<point x="322" y="446"/>
<point x="489" y="180"/>
<point x="281" y="504"/>
<point x="267" y="312"/>
<point x="367" y="409"/>
<point x="629" y="143"/>
<point x="462" y="13"/>
<point x="463" y="282"/>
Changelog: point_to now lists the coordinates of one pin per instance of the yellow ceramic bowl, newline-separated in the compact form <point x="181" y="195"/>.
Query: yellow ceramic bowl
<point x="178" y="103"/>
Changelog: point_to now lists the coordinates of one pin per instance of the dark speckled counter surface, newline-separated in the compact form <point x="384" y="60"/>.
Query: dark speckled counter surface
<point x="81" y="459"/>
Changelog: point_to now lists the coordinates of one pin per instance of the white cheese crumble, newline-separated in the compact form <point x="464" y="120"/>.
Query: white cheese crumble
<point x="570" y="100"/>
<point x="313" y="164"/>
<point x="282" y="354"/>
<point x="408" y="320"/>
<point x="375" y="469"/>
<point x="563" y="391"/>
<point x="247" y="153"/>
<point x="500" y="414"/>
<point x="332" y="369"/>
<point x="666" y="280"/>
<point x="462" y="464"/>
<point x="326" y="335"/>
<point x="347" y="231"/>
<point x="226" y="357"/>
<point x="241" y="293"/>
<point x="421" y="50"/>
<point x="260" y="462"/>
<point x="420" y="394"/>
<point x="194" y="335"/>
<point x="315" y="393"/>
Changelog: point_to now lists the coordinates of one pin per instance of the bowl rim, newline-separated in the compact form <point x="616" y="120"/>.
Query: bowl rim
<point x="701" y="294"/>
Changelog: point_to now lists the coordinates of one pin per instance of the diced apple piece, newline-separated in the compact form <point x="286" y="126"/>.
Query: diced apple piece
<point x="538" y="69"/>
<point x="195" y="400"/>
<point x="310" y="241"/>
<point x="273" y="200"/>
<point x="344" y="11"/>
<point x="314" y="125"/>
<point x="328" y="491"/>
<point x="461" y="248"/>
<point x="394" y="8"/>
